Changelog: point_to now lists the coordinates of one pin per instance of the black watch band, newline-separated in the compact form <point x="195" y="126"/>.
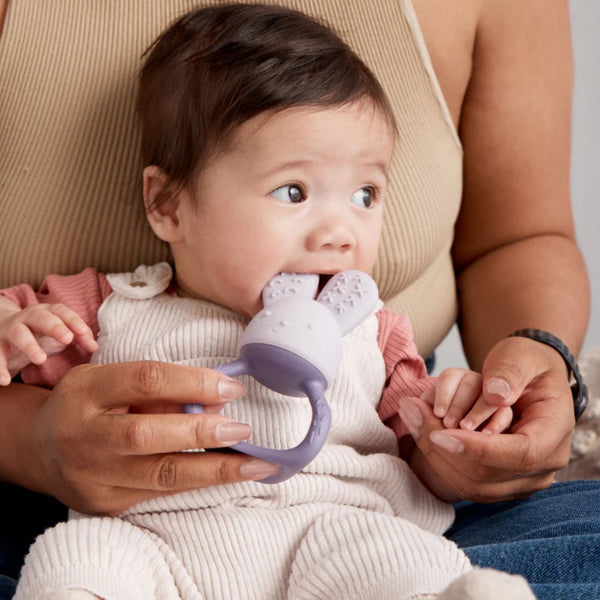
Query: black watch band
<point x="578" y="389"/>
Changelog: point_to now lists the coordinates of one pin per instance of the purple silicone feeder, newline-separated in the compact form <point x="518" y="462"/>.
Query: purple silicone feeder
<point x="294" y="346"/>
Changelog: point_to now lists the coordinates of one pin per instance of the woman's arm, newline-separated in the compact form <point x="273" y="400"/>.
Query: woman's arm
<point x="81" y="444"/>
<point x="517" y="262"/>
<point x="515" y="255"/>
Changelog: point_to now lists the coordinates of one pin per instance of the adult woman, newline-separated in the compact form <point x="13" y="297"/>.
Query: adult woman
<point x="505" y="75"/>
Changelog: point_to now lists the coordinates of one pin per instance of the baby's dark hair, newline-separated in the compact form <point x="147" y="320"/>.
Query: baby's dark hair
<point x="220" y="66"/>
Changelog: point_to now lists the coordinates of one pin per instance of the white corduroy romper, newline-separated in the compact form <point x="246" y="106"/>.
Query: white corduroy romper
<point x="355" y="523"/>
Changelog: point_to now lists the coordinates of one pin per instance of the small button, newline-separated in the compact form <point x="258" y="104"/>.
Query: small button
<point x="138" y="284"/>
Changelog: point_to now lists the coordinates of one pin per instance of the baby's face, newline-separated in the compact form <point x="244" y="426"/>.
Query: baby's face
<point x="301" y="190"/>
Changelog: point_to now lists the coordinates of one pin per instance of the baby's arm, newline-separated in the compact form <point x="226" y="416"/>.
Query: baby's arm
<point x="457" y="399"/>
<point x="31" y="334"/>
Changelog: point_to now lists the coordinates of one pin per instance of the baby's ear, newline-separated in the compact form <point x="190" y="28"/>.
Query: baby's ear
<point x="351" y="296"/>
<point x="161" y="205"/>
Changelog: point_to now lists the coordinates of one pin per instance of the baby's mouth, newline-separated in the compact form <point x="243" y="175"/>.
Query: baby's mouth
<point x="323" y="279"/>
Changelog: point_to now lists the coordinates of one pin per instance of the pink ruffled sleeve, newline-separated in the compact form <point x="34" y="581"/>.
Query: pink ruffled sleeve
<point x="406" y="374"/>
<point x="83" y="293"/>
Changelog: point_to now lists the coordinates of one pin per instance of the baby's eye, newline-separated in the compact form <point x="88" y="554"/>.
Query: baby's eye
<point x="289" y="193"/>
<point x="364" y="197"/>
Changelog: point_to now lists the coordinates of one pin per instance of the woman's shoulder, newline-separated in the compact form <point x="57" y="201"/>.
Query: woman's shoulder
<point x="458" y="33"/>
<point x="449" y="29"/>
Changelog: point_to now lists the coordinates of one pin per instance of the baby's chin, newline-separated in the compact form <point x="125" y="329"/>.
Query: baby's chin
<point x="250" y="306"/>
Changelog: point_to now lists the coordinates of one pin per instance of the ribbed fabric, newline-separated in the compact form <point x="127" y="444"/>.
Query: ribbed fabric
<point x="70" y="176"/>
<point x="113" y="559"/>
<point x="405" y="370"/>
<point x="355" y="523"/>
<point x="83" y="293"/>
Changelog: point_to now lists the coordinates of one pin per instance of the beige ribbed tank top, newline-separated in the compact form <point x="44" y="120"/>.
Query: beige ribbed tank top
<point x="70" y="171"/>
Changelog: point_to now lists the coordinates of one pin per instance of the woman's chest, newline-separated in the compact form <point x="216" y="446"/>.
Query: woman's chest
<point x="448" y="28"/>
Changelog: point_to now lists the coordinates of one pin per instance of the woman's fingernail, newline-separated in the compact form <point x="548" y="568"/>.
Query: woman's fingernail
<point x="232" y="431"/>
<point x="258" y="469"/>
<point x="498" y="386"/>
<point x="447" y="442"/>
<point x="412" y="418"/>
<point x="230" y="389"/>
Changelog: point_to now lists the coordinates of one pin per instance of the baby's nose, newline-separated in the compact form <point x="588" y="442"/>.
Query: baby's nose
<point x="333" y="234"/>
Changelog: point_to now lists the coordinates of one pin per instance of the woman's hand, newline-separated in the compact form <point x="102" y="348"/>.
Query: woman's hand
<point x="489" y="467"/>
<point x="88" y="450"/>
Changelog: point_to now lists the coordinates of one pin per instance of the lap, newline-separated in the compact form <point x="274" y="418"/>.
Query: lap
<point x="7" y="587"/>
<point x="547" y="514"/>
<point x="24" y="515"/>
<point x="551" y="538"/>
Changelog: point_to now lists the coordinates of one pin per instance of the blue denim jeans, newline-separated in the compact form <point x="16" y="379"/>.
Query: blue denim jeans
<point x="552" y="538"/>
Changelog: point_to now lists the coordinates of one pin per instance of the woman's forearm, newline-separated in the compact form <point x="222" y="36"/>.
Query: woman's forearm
<point x="538" y="282"/>
<point x="19" y="405"/>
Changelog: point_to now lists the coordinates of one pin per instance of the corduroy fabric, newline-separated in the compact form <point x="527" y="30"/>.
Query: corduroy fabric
<point x="70" y="171"/>
<point x="355" y="523"/>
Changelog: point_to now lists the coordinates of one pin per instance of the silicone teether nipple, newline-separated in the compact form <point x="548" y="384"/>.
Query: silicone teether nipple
<point x="294" y="346"/>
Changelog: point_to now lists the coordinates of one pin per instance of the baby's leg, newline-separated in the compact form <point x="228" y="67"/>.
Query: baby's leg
<point x="487" y="584"/>
<point x="352" y="554"/>
<point x="357" y="554"/>
<point x="69" y="594"/>
<point x="109" y="556"/>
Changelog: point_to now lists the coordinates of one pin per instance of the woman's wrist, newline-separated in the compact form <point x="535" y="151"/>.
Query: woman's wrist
<point x="578" y="388"/>
<point x="20" y="460"/>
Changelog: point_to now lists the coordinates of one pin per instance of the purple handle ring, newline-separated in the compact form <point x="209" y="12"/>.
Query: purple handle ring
<point x="294" y="346"/>
<point x="289" y="374"/>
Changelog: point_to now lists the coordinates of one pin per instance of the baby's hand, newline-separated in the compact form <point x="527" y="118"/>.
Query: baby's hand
<point x="457" y="399"/>
<point x="32" y="334"/>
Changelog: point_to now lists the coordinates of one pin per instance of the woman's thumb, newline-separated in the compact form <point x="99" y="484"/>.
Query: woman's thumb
<point x="507" y="371"/>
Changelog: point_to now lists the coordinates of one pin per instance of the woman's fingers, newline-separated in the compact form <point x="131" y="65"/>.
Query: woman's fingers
<point x="524" y="450"/>
<point x="150" y="382"/>
<point x="102" y="458"/>
<point x="153" y="476"/>
<point x="512" y="364"/>
<point x="478" y="466"/>
<point x="128" y="481"/>
<point x="173" y="473"/>
<point x="145" y="434"/>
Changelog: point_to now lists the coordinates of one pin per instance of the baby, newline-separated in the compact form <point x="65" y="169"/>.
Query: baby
<point x="267" y="143"/>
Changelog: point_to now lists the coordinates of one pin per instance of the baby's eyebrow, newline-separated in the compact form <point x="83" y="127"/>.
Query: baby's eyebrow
<point x="287" y="165"/>
<point x="379" y="166"/>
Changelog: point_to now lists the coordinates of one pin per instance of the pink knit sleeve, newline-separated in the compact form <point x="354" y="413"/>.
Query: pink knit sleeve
<point x="406" y="374"/>
<point x="84" y="293"/>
